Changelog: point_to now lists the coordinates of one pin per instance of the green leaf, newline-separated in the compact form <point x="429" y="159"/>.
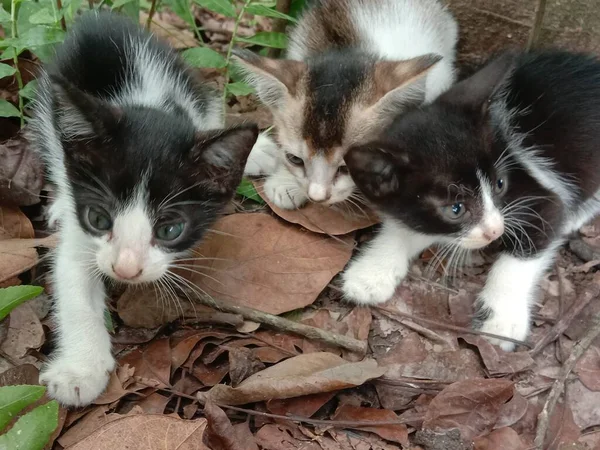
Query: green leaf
<point x="219" y="6"/>
<point x="29" y="90"/>
<point x="239" y="89"/>
<point x="12" y="297"/>
<point x="33" y="430"/>
<point x="41" y="35"/>
<point x="14" y="398"/>
<point x="6" y="70"/>
<point x="182" y="9"/>
<point x="4" y="16"/>
<point x="266" y="39"/>
<point x="118" y="3"/>
<point x="8" y="109"/>
<point x="246" y="189"/>
<point x="108" y="322"/>
<point x="43" y="17"/>
<point x="203" y="57"/>
<point x="132" y="9"/>
<point x="265" y="11"/>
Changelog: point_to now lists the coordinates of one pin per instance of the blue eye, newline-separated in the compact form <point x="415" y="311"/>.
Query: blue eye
<point x="169" y="231"/>
<point x="454" y="212"/>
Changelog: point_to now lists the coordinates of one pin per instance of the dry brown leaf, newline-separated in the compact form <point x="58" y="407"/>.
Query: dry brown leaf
<point x="143" y="432"/>
<point x="472" y="406"/>
<point x="512" y="411"/>
<point x="154" y="403"/>
<point x="562" y="430"/>
<point x="324" y="219"/>
<point x="242" y="364"/>
<point x="153" y="363"/>
<point x="584" y="405"/>
<point x="301" y="375"/>
<point x="23" y="374"/>
<point x="25" y="332"/>
<point x="498" y="361"/>
<point x="266" y="264"/>
<point x="116" y="386"/>
<point x="395" y="433"/>
<point x="281" y="437"/>
<point x="500" y="439"/>
<point x="221" y="435"/>
<point x="14" y="224"/>
<point x="304" y="406"/>
<point x="21" y="174"/>
<point x="588" y="368"/>
<point x="86" y="425"/>
<point x="19" y="255"/>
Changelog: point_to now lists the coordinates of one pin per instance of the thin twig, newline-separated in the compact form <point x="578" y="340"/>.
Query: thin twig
<point x="559" y="384"/>
<point x="446" y="326"/>
<point x="536" y="29"/>
<point x="153" y="7"/>
<point x="413" y="326"/>
<point x="592" y="292"/>
<point x="63" y="23"/>
<point x="348" y="343"/>
<point x="279" y="25"/>
<point x="14" y="35"/>
<point x="561" y="310"/>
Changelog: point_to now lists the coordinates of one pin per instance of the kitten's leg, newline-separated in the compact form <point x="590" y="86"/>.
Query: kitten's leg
<point x="264" y="157"/>
<point x="80" y="369"/>
<point x="374" y="275"/>
<point x="282" y="188"/>
<point x="505" y="302"/>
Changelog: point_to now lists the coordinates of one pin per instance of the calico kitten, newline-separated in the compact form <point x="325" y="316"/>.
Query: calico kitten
<point x="351" y="65"/>
<point x="141" y="170"/>
<point x="509" y="154"/>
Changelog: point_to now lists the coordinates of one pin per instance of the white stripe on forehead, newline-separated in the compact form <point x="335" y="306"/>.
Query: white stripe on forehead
<point x="485" y="186"/>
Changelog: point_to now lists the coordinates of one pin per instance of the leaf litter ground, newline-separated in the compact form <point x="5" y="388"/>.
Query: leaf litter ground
<point x="191" y="376"/>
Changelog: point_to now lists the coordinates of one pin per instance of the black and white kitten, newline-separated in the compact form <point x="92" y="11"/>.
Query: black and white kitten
<point x="141" y="170"/>
<point x="510" y="154"/>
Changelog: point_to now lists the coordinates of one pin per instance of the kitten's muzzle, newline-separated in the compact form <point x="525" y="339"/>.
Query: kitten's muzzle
<point x="128" y="265"/>
<point x="318" y="193"/>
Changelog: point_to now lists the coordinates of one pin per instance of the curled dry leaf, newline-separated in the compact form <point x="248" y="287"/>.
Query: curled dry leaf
<point x="337" y="220"/>
<point x="242" y="364"/>
<point x="25" y="332"/>
<point x="394" y="433"/>
<point x="500" y="439"/>
<point x="141" y="431"/>
<point x="498" y="361"/>
<point x="588" y="368"/>
<point x="258" y="261"/>
<point x="301" y="375"/>
<point x="14" y="224"/>
<point x="472" y="406"/>
<point x="153" y="363"/>
<point x="19" y="255"/>
<point x="512" y="411"/>
<point x="221" y="435"/>
<point x="21" y="174"/>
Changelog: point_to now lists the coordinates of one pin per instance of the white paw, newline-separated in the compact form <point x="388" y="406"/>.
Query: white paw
<point x="368" y="286"/>
<point x="284" y="196"/>
<point x="76" y="383"/>
<point x="263" y="159"/>
<point x="515" y="326"/>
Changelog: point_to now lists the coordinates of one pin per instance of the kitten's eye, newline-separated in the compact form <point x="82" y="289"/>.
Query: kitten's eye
<point x="343" y="170"/>
<point x="293" y="159"/>
<point x="500" y="185"/>
<point x="98" y="219"/>
<point x="169" y="231"/>
<point x="455" y="211"/>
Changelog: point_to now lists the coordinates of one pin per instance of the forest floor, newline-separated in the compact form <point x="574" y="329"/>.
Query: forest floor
<point x="408" y="375"/>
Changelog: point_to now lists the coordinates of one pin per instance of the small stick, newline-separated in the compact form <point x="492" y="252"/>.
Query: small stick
<point x="563" y="323"/>
<point x="63" y="23"/>
<point x="559" y="384"/>
<point x="151" y="13"/>
<point x="534" y="36"/>
<point x="446" y="326"/>
<point x="415" y="327"/>
<point x="348" y="343"/>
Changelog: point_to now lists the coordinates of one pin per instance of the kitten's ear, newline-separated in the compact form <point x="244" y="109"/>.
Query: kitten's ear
<point x="273" y="79"/>
<point x="375" y="171"/>
<point x="79" y="115"/>
<point x="475" y="91"/>
<point x="221" y="156"/>
<point x="399" y="84"/>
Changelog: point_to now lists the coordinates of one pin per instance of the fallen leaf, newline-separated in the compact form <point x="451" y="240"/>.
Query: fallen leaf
<point x="337" y="220"/>
<point x="153" y="363"/>
<point x="221" y="435"/>
<point x="584" y="405"/>
<point x="500" y="439"/>
<point x="496" y="360"/>
<point x="304" y="406"/>
<point x="23" y="374"/>
<point x="258" y="261"/>
<point x="395" y="433"/>
<point x="19" y="255"/>
<point x="344" y="440"/>
<point x="280" y="437"/>
<point x="442" y="440"/>
<point x="141" y="431"/>
<point x="14" y="224"/>
<point x="562" y="429"/>
<point x="301" y="375"/>
<point x="242" y="364"/>
<point x="131" y="336"/>
<point x="115" y="390"/>
<point x="25" y="332"/>
<point x="154" y="403"/>
<point x="21" y="174"/>
<point x="512" y="411"/>
<point x="588" y="368"/>
<point x="472" y="406"/>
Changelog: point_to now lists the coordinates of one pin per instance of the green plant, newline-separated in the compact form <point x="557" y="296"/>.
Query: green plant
<point x="33" y="429"/>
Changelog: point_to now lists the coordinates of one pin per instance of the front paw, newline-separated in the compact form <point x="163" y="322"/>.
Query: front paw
<point x="510" y="324"/>
<point x="284" y="196"/>
<point x="368" y="286"/>
<point x="75" y="382"/>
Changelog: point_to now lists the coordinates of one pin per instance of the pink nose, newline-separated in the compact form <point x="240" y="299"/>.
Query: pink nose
<point x="491" y="234"/>
<point x="127" y="266"/>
